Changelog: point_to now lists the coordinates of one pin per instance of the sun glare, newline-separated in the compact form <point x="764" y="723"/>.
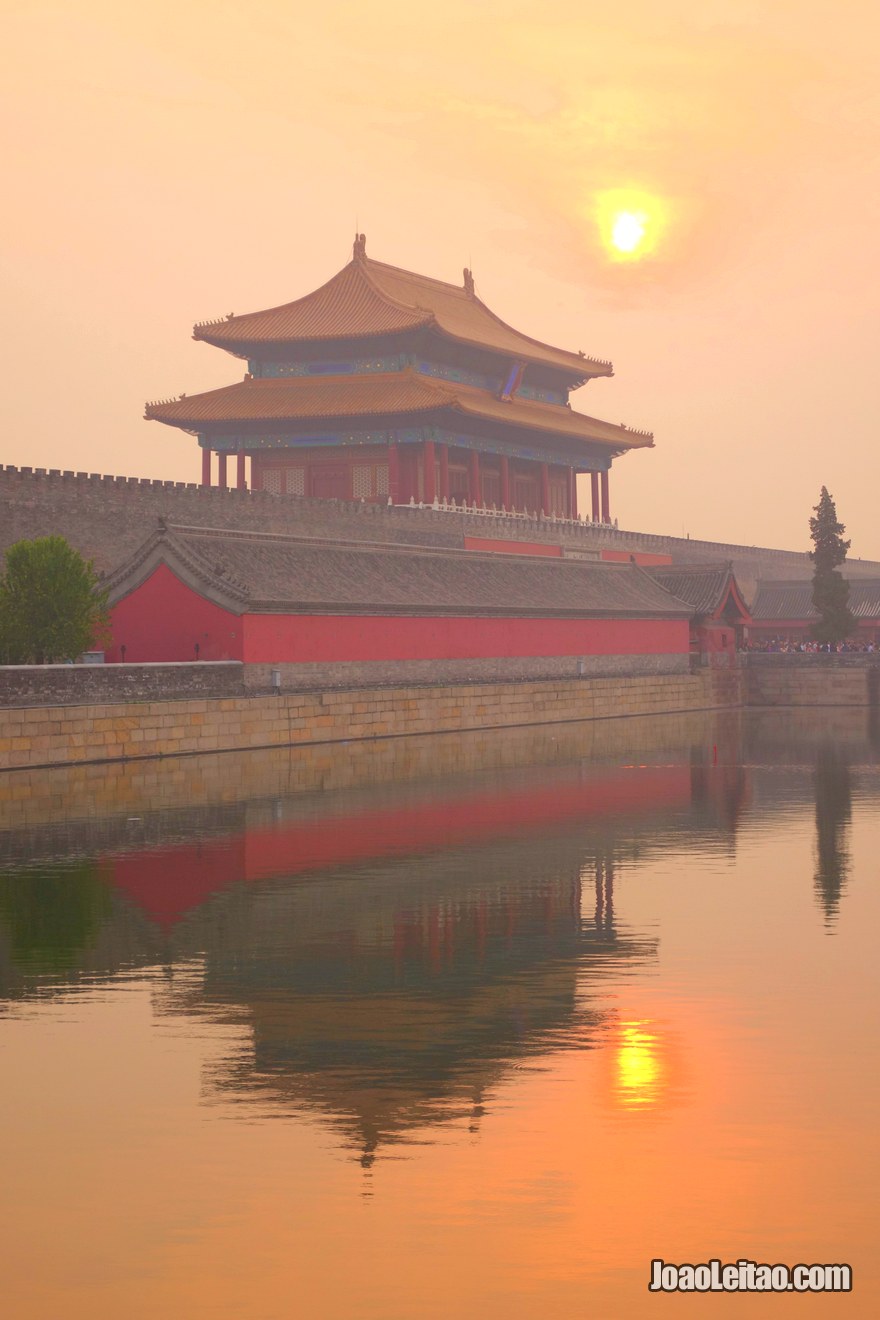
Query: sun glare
<point x="639" y="1066"/>
<point x="628" y="230"/>
<point x="629" y="222"/>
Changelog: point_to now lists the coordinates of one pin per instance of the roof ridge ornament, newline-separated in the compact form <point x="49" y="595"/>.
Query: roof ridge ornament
<point x="469" y="282"/>
<point x="359" y="247"/>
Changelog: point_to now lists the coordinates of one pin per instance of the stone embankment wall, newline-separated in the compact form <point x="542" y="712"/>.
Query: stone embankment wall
<point x="68" y="735"/>
<point x="812" y="680"/>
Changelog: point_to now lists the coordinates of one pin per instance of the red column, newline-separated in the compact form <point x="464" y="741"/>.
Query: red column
<point x="206" y="467"/>
<point x="606" y="506"/>
<point x="240" y="479"/>
<point x="545" y="489"/>
<point x="572" y="493"/>
<point x="444" y="472"/>
<point x="221" y="470"/>
<point x="505" y="482"/>
<point x="594" y="483"/>
<point x="394" y="473"/>
<point x="430" y="472"/>
<point x="476" y="489"/>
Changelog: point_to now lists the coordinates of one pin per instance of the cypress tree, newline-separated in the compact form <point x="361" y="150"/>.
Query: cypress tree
<point x="830" y="588"/>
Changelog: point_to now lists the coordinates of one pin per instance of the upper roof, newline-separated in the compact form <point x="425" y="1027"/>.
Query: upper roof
<point x="298" y="398"/>
<point x="250" y="571"/>
<point x="706" y="587"/>
<point x="368" y="298"/>
<point x="777" y="600"/>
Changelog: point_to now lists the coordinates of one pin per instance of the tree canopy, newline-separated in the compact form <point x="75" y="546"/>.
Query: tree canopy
<point x="51" y="606"/>
<point x="830" y="588"/>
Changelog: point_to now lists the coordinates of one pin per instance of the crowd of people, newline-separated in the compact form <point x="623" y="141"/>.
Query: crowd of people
<point x="787" y="646"/>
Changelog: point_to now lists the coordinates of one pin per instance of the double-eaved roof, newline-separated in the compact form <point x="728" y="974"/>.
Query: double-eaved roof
<point x="324" y="398"/>
<point x="369" y="298"/>
<point x="265" y="573"/>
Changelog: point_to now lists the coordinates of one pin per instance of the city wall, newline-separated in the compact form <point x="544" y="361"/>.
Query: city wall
<point x="107" y="517"/>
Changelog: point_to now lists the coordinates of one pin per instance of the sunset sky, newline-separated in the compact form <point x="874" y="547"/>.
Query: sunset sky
<point x="174" y="162"/>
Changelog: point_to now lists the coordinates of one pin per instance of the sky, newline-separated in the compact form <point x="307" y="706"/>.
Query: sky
<point x="171" y="163"/>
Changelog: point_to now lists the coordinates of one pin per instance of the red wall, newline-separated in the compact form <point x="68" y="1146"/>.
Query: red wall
<point x="163" y="619"/>
<point x="716" y="639"/>
<point x="299" y="639"/>
<point x="513" y="547"/>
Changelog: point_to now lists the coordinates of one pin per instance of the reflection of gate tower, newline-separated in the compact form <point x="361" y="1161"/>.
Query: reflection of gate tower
<point x="388" y="386"/>
<point x="395" y="996"/>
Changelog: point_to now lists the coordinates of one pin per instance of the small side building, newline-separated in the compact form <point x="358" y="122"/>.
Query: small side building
<point x="719" y="615"/>
<point x="348" y="612"/>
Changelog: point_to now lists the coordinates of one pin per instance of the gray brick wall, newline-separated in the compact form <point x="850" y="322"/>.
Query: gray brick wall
<point x="107" y="518"/>
<point x="83" y="685"/>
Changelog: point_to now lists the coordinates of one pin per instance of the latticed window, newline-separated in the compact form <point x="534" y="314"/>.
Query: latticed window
<point x="381" y="478"/>
<point x="559" y="497"/>
<point x="362" y="480"/>
<point x="459" y="484"/>
<point x="525" y="493"/>
<point x="296" y="481"/>
<point x="491" y="484"/>
<point x="272" y="480"/>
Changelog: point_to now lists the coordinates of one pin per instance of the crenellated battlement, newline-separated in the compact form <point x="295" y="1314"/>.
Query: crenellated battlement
<point x="107" y="516"/>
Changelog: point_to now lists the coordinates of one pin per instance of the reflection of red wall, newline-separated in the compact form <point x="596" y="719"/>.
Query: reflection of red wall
<point x="313" y="637"/>
<point x="513" y="547"/>
<point x="168" y="882"/>
<point x="163" y="619"/>
<point x="435" y="826"/>
<point x="643" y="557"/>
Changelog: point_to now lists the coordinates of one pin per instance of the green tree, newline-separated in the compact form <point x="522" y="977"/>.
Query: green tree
<point x="51" y="605"/>
<point x="830" y="588"/>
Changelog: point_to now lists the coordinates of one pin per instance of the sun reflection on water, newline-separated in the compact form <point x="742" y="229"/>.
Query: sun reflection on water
<point x="640" y="1072"/>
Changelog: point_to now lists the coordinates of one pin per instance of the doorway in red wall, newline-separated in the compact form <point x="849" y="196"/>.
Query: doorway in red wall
<point x="330" y="481"/>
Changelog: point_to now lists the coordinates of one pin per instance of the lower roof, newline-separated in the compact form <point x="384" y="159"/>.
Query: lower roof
<point x="794" y="600"/>
<point x="248" y="572"/>
<point x="297" y="399"/>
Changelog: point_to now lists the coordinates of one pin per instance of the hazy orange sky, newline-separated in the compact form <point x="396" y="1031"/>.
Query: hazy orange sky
<point x="174" y="162"/>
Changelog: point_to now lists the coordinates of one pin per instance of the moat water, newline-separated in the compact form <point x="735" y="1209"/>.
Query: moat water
<point x="446" y="1027"/>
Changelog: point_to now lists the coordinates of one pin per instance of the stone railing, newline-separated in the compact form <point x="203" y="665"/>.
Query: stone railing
<point x="810" y="659"/>
<point x="522" y="515"/>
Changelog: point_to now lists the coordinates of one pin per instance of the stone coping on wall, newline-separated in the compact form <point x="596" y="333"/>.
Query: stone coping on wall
<point x="84" y="684"/>
<point x="810" y="660"/>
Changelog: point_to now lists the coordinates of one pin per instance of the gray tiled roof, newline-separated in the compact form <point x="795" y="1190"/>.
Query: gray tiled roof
<point x="794" y="600"/>
<point x="703" y="586"/>
<point x="249" y="571"/>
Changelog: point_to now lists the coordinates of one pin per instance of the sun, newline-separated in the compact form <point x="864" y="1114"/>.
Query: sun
<point x="628" y="230"/>
<point x="630" y="222"/>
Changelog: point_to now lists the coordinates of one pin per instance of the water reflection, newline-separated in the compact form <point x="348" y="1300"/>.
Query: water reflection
<point x="52" y="914"/>
<point x="640" y="1071"/>
<point x="394" y="949"/>
<point x="833" y="811"/>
